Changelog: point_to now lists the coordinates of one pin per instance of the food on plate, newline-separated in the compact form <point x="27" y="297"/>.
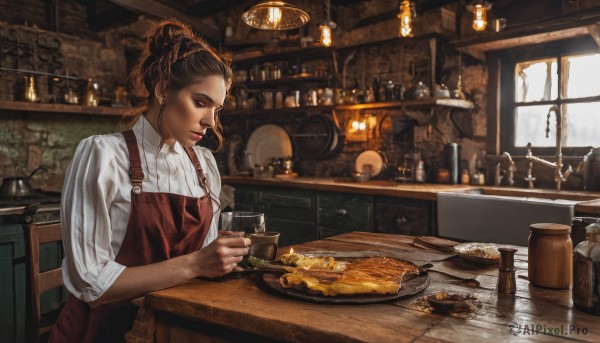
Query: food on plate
<point x="381" y="275"/>
<point x="299" y="260"/>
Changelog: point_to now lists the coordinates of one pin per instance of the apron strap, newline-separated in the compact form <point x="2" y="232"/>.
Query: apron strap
<point x="201" y="178"/>
<point x="136" y="173"/>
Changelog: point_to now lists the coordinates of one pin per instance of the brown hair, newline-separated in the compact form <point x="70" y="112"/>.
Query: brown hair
<point x="175" y="57"/>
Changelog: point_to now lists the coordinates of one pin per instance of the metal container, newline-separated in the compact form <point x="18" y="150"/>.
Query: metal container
<point x="591" y="170"/>
<point x="451" y="162"/>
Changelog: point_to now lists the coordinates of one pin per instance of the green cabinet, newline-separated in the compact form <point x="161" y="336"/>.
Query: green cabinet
<point x="404" y="216"/>
<point x="302" y="215"/>
<point x="293" y="213"/>
<point x="342" y="212"/>
<point x="13" y="282"/>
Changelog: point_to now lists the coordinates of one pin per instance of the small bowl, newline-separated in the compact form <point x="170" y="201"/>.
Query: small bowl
<point x="444" y="302"/>
<point x="361" y="177"/>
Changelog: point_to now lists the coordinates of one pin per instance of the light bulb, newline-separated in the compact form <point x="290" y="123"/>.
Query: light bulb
<point x="325" y="35"/>
<point x="479" y="17"/>
<point x="274" y="15"/>
<point x="405" y="17"/>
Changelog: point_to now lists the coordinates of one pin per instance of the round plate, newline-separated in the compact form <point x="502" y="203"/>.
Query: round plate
<point x="371" y="157"/>
<point x="411" y="284"/>
<point x="267" y="142"/>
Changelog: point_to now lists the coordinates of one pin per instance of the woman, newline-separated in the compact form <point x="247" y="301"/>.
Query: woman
<point x="139" y="208"/>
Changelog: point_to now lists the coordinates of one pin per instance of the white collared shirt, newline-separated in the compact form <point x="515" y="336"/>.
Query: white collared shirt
<point x="96" y="201"/>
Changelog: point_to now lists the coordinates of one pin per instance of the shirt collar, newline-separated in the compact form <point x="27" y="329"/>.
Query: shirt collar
<point x="153" y="139"/>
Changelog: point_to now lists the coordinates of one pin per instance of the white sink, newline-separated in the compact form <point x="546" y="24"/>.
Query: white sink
<point x="475" y="216"/>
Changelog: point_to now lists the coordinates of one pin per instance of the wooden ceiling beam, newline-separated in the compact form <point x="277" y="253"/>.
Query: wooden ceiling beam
<point x="114" y="17"/>
<point x="206" y="8"/>
<point x="157" y="9"/>
<point x="594" y="31"/>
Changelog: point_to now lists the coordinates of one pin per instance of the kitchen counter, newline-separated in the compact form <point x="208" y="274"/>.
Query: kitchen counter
<point x="423" y="191"/>
<point x="591" y="207"/>
<point x="237" y="309"/>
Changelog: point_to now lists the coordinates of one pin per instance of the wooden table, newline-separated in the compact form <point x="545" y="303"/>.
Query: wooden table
<point x="235" y="309"/>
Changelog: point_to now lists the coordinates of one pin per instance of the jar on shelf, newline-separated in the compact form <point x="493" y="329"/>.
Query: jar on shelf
<point x="92" y="94"/>
<point x="586" y="271"/>
<point x="550" y="255"/>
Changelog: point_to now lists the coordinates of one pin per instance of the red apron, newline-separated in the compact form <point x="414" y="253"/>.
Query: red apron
<point x="161" y="226"/>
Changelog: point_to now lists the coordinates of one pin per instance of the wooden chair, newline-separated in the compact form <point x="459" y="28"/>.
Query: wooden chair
<point x="37" y="282"/>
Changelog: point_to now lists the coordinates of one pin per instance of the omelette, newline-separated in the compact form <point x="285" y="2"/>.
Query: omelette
<point x="325" y="276"/>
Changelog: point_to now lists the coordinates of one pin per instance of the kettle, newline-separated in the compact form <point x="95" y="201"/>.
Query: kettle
<point x="591" y="170"/>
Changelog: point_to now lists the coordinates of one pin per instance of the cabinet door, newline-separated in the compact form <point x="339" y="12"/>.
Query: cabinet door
<point x="246" y="199"/>
<point x="340" y="213"/>
<point x="288" y="205"/>
<point x="292" y="213"/>
<point x="292" y="232"/>
<point x="403" y="216"/>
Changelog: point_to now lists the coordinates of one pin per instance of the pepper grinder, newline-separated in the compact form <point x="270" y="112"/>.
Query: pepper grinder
<point x="507" y="282"/>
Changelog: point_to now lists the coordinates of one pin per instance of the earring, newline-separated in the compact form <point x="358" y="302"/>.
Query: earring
<point x="162" y="101"/>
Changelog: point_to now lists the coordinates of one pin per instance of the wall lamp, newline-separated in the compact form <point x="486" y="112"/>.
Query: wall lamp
<point x="479" y="9"/>
<point x="327" y="25"/>
<point x="407" y="12"/>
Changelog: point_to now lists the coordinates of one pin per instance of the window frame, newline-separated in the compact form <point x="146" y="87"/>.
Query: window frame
<point x="508" y="60"/>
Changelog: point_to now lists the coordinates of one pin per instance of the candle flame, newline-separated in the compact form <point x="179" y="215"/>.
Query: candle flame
<point x="291" y="250"/>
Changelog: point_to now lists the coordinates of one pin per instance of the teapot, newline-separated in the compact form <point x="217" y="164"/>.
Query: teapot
<point x="591" y="170"/>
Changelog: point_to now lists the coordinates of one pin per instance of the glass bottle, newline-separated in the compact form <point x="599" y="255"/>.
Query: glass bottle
<point x="586" y="271"/>
<point x="91" y="94"/>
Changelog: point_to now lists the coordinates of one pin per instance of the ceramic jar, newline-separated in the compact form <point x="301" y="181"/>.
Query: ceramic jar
<point x="550" y="255"/>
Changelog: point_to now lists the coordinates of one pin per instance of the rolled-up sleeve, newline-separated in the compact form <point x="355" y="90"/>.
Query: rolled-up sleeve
<point x="89" y="267"/>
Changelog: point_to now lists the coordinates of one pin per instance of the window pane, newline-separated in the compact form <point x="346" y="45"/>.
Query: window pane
<point x="536" y="80"/>
<point x="583" y="77"/>
<point x="583" y="124"/>
<point x="530" y="126"/>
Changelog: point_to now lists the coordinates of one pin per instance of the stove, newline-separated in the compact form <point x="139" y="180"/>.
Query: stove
<point x="36" y="207"/>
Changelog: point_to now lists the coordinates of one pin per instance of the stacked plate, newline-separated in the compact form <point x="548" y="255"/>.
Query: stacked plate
<point x="267" y="142"/>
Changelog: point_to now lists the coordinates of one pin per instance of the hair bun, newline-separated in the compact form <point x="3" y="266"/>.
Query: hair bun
<point x="168" y="34"/>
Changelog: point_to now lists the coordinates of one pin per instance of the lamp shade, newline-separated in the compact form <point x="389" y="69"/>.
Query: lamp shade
<point x="275" y="15"/>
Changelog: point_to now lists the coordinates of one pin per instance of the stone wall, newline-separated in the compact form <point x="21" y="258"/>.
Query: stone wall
<point x="53" y="136"/>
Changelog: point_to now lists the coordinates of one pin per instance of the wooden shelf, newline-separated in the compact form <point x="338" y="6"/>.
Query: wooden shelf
<point x="283" y="82"/>
<point x="288" y="110"/>
<point x="299" y="53"/>
<point x="62" y="108"/>
<point x="424" y="103"/>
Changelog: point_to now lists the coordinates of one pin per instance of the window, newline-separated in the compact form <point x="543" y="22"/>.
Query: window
<point x="563" y="76"/>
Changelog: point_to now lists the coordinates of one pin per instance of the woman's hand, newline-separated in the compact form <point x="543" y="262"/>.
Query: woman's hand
<point x="222" y="255"/>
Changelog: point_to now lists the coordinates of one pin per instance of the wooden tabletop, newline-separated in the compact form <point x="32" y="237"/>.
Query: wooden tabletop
<point x="238" y="304"/>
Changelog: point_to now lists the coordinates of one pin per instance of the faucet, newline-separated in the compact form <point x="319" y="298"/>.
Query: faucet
<point x="559" y="177"/>
<point x="509" y="171"/>
<point x="530" y="178"/>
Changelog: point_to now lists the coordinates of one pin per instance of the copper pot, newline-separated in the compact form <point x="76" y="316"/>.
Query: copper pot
<point x="17" y="186"/>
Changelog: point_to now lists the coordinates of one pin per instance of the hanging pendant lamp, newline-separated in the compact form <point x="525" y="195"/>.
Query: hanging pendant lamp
<point x="275" y="15"/>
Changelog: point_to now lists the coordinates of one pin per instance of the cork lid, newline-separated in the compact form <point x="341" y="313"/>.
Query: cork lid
<point x="550" y="229"/>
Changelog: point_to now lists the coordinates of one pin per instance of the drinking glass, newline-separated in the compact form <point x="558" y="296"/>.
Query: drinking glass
<point x="247" y="222"/>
